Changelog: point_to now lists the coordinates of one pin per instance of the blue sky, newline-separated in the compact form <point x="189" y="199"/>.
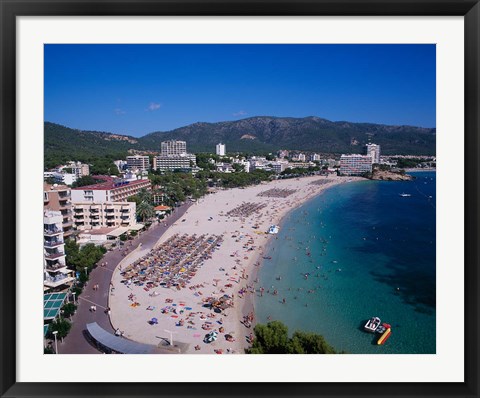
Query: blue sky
<point x="138" y="89"/>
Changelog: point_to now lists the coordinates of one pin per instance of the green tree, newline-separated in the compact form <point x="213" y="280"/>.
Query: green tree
<point x="87" y="256"/>
<point x="62" y="326"/>
<point x="145" y="211"/>
<point x="84" y="180"/>
<point x="144" y="196"/>
<point x="238" y="167"/>
<point x="272" y="338"/>
<point x="69" y="309"/>
<point x="308" y="343"/>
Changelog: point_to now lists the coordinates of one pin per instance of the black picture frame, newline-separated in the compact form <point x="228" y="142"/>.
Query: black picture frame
<point x="9" y="10"/>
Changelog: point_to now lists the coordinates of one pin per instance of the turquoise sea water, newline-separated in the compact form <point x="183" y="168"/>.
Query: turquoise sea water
<point x="356" y="251"/>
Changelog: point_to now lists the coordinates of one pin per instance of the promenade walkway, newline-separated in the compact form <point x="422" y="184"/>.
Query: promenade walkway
<point x="75" y="342"/>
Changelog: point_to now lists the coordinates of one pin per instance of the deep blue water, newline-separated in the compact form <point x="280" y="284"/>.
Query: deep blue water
<point x="367" y="252"/>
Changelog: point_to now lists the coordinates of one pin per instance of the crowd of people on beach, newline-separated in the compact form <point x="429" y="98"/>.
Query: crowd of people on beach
<point x="201" y="309"/>
<point x="320" y="182"/>
<point x="277" y="193"/>
<point x="173" y="263"/>
<point x="246" y="209"/>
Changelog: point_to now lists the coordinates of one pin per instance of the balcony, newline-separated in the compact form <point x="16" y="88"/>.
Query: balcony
<point x="58" y="280"/>
<point x="79" y="216"/>
<point x="52" y="231"/>
<point x="57" y="267"/>
<point x="53" y="243"/>
<point x="54" y="255"/>
<point x="64" y="195"/>
<point x="67" y="223"/>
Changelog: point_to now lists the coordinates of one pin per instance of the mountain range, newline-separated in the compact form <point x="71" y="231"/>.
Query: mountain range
<point x="254" y="135"/>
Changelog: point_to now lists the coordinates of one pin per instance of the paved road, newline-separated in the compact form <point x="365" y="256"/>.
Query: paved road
<point x="75" y="342"/>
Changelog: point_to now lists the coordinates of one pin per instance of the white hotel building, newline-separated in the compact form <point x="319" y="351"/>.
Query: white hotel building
<point x="138" y="162"/>
<point x="173" y="156"/>
<point x="56" y="275"/>
<point x="173" y="148"/>
<point x="110" y="190"/>
<point x="373" y="150"/>
<point x="104" y="215"/>
<point x="352" y="165"/>
<point x="220" y="149"/>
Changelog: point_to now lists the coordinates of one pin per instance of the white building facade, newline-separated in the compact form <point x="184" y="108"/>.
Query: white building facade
<point x="104" y="215"/>
<point x="138" y="162"/>
<point x="351" y="165"/>
<point x="173" y="148"/>
<point x="111" y="190"/>
<point x="373" y="150"/>
<point x="56" y="275"/>
<point x="174" y="156"/>
<point x="220" y="149"/>
<point x="174" y="162"/>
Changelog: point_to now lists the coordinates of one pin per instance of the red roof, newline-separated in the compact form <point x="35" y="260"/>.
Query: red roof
<point x="162" y="208"/>
<point x="109" y="183"/>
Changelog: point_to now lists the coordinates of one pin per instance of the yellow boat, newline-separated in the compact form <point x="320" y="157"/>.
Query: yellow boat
<point x="383" y="338"/>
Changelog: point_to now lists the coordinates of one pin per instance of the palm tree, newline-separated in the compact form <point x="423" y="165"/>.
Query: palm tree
<point x="144" y="196"/>
<point x="145" y="211"/>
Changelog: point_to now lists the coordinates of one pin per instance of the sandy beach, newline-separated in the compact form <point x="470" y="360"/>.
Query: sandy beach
<point x="201" y="276"/>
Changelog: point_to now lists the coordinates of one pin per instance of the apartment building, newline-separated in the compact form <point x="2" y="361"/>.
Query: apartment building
<point x="279" y="166"/>
<point x="173" y="148"/>
<point x="109" y="190"/>
<point x="373" y="150"/>
<point x="220" y="149"/>
<point x="351" y="165"/>
<point x="283" y="153"/>
<point x="57" y="276"/>
<point x="174" y="156"/>
<point x="174" y="162"/>
<point x="89" y="215"/>
<point x="138" y="162"/>
<point x="58" y="198"/>
<point x="79" y="169"/>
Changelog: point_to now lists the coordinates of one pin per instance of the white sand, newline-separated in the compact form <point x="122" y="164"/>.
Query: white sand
<point x="134" y="321"/>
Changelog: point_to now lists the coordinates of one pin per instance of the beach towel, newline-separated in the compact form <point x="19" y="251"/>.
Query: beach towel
<point x="174" y="316"/>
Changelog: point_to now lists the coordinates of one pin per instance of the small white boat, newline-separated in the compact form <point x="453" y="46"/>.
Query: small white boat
<point x="372" y="324"/>
<point x="273" y="229"/>
<point x="405" y="195"/>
